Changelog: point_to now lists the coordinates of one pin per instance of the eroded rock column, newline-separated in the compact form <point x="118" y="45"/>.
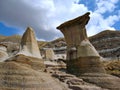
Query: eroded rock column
<point x="29" y="45"/>
<point x="82" y="57"/>
<point x="49" y="54"/>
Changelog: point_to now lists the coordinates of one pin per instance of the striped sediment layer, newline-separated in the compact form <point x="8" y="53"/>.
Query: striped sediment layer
<point x="31" y="62"/>
<point x="102" y="80"/>
<point x="81" y="65"/>
<point x="14" y="76"/>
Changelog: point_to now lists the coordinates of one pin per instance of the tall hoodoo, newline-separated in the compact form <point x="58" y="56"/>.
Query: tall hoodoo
<point x="82" y="57"/>
<point x="29" y="45"/>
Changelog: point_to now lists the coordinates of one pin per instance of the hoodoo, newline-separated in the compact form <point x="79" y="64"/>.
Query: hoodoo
<point x="82" y="57"/>
<point x="29" y="45"/>
<point x="49" y="54"/>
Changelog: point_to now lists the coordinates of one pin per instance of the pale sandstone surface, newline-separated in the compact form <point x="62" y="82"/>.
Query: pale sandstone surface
<point x="103" y="80"/>
<point x="49" y="54"/>
<point x="29" y="45"/>
<point x="31" y="62"/>
<point x="15" y="76"/>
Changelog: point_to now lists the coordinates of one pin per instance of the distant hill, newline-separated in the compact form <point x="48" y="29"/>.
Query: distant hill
<point x="14" y="38"/>
<point x="106" y="42"/>
<point x="13" y="42"/>
<point x="41" y="44"/>
<point x="2" y="37"/>
<point x="59" y="42"/>
<point x="106" y="39"/>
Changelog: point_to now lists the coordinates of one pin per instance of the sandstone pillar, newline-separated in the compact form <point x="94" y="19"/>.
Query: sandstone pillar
<point x="29" y="45"/>
<point x="81" y="55"/>
<point x="49" y="54"/>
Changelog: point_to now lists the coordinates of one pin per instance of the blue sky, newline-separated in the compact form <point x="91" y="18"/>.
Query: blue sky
<point x="45" y="15"/>
<point x="8" y="31"/>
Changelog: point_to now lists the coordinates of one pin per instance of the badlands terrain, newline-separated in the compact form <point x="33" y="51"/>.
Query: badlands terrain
<point x="91" y="64"/>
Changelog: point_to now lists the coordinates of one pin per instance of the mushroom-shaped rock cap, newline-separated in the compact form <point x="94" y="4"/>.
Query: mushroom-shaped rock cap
<point x="79" y="20"/>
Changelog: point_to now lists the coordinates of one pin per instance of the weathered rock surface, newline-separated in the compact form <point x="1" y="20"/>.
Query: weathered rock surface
<point x="75" y="83"/>
<point x="82" y="58"/>
<point x="3" y="52"/>
<point x="49" y="54"/>
<point x="86" y="49"/>
<point x="103" y="42"/>
<point x="81" y="55"/>
<point x="103" y="80"/>
<point x="112" y="67"/>
<point x="31" y="62"/>
<point x="85" y="65"/>
<point x="14" y="76"/>
<point x="29" y="45"/>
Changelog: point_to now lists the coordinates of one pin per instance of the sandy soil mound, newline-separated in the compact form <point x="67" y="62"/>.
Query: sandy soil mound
<point x="14" y="76"/>
<point x="34" y="63"/>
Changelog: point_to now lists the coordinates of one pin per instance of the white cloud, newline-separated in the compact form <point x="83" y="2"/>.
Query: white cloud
<point x="111" y="20"/>
<point x="75" y="8"/>
<point x="45" y="15"/>
<point x="98" y="22"/>
<point x="105" y="5"/>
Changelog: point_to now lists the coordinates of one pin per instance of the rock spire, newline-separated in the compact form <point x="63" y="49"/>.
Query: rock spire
<point x="29" y="45"/>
